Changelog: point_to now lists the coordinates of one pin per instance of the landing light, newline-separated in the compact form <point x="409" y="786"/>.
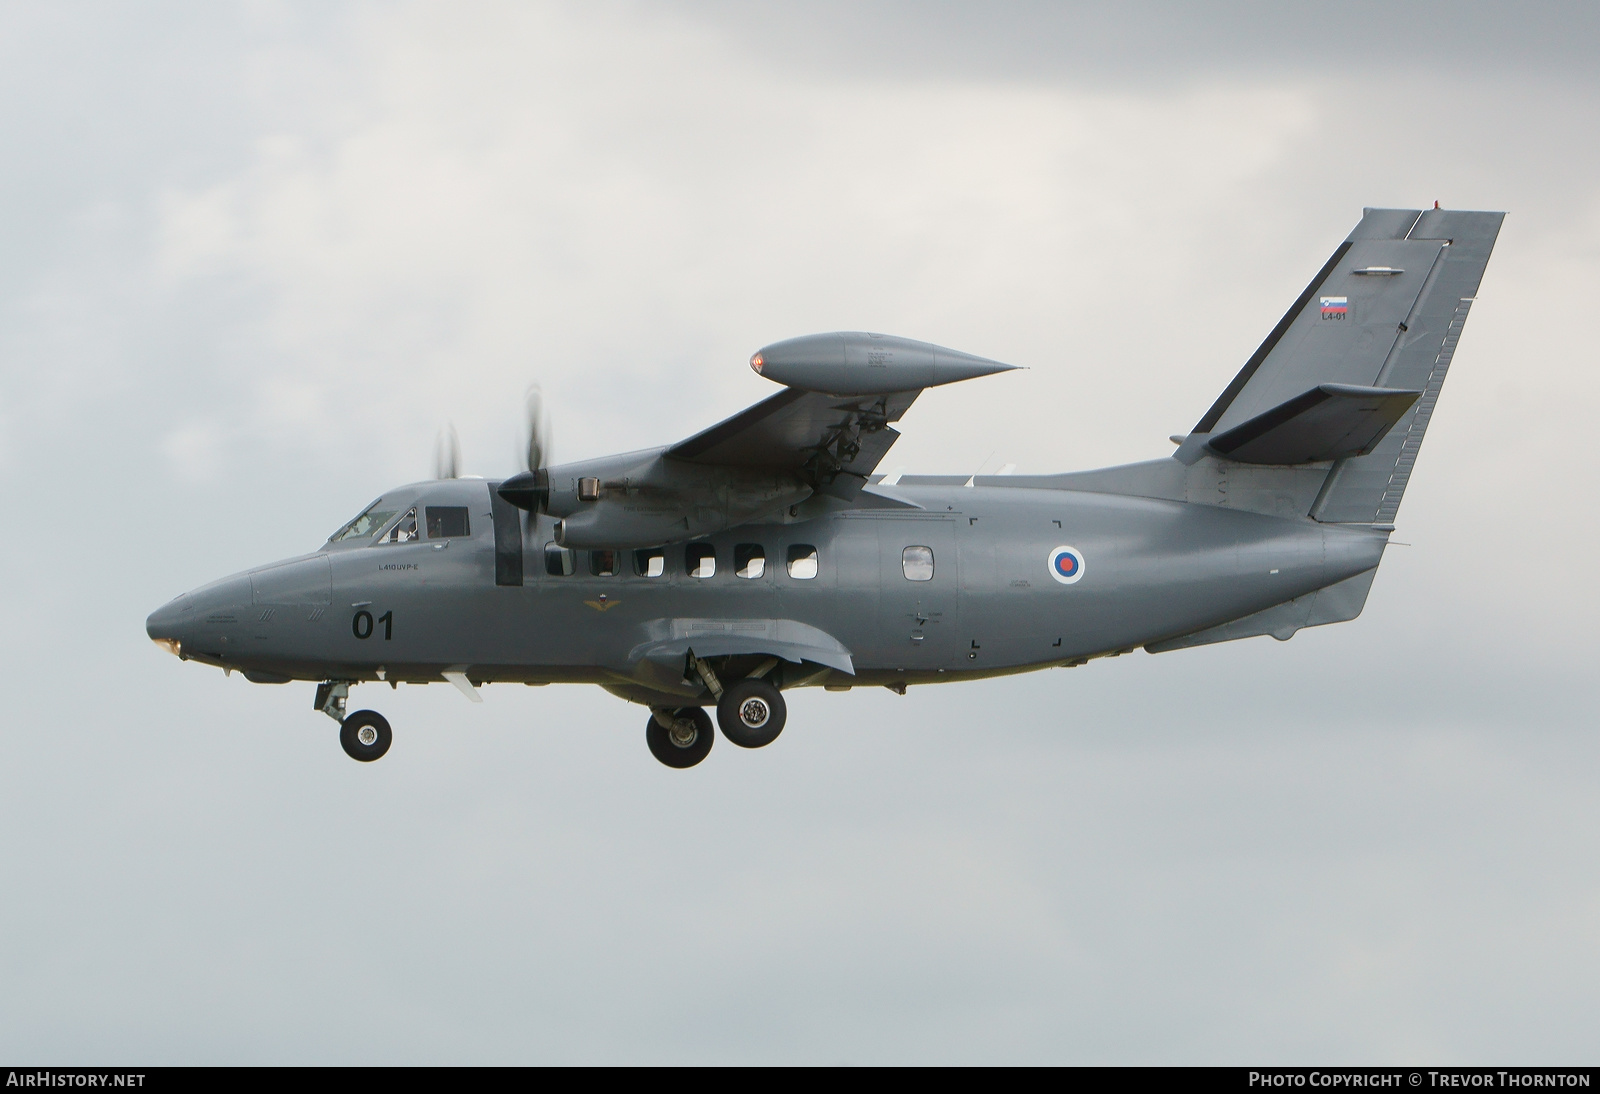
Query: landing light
<point x="171" y="645"/>
<point x="756" y="362"/>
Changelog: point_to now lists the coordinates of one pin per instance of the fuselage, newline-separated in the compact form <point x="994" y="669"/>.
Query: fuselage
<point x="918" y="584"/>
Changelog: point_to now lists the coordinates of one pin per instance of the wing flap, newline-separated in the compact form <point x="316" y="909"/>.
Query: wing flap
<point x="833" y="443"/>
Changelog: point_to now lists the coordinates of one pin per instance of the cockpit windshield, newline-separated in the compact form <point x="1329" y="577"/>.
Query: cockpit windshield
<point x="371" y="519"/>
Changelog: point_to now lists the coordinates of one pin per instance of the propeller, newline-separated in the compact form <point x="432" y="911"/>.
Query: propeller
<point x="538" y="449"/>
<point x="447" y="454"/>
<point x="530" y="490"/>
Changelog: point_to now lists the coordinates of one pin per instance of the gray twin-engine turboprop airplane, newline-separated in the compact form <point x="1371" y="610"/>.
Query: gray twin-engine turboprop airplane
<point x="764" y="553"/>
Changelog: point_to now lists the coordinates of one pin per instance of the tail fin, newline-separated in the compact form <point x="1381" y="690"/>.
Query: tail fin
<point x="1384" y="315"/>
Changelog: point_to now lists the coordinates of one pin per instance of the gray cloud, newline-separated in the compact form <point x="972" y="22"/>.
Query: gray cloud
<point x="1155" y="42"/>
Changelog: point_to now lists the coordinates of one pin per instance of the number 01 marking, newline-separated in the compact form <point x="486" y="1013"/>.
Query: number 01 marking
<point x="361" y="625"/>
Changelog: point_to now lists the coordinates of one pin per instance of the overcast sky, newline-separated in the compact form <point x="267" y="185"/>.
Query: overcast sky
<point x="252" y="258"/>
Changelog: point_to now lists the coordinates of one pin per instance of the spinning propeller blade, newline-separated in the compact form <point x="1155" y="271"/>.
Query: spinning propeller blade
<point x="538" y="451"/>
<point x="530" y="491"/>
<point x="447" y="454"/>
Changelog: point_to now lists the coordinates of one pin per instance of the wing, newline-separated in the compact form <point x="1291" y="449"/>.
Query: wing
<point x="832" y="442"/>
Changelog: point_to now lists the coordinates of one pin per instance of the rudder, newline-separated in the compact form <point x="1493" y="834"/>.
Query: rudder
<point x="1367" y="489"/>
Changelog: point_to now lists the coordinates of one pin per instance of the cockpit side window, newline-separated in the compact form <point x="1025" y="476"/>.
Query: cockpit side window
<point x="448" y="522"/>
<point x="404" y="530"/>
<point x="369" y="521"/>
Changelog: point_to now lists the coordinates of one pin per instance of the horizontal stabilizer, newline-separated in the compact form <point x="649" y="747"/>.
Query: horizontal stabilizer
<point x="1329" y="422"/>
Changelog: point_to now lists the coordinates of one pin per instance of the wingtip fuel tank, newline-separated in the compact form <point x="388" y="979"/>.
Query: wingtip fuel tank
<point x="861" y="363"/>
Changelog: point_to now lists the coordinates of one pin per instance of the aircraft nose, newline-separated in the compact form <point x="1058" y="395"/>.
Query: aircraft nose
<point x="165" y="624"/>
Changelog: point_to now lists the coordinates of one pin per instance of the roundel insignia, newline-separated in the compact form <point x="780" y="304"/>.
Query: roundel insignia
<point x="1066" y="565"/>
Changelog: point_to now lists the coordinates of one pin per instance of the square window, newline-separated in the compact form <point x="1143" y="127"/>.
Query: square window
<point x="749" y="560"/>
<point x="802" y="561"/>
<point x="447" y="521"/>
<point x="603" y="563"/>
<point x="558" y="561"/>
<point x="700" y="560"/>
<point x="650" y="562"/>
<point x="917" y="562"/>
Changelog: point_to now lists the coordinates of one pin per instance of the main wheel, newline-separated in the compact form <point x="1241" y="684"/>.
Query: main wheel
<point x="365" y="735"/>
<point x="752" y="713"/>
<point x="686" y="742"/>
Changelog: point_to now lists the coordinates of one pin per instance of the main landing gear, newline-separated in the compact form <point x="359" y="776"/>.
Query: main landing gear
<point x="751" y="713"/>
<point x="365" y="735"/>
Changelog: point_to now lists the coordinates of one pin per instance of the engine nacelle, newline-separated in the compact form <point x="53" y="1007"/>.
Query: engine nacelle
<point x="645" y="500"/>
<point x="858" y="363"/>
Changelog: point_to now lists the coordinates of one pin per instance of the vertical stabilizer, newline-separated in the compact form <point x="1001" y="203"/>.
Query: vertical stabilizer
<point x="1379" y="322"/>
<point x="1367" y="489"/>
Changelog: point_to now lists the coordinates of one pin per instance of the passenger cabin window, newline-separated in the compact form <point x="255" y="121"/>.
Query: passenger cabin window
<point x="558" y="561"/>
<point x="917" y="562"/>
<point x="447" y="521"/>
<point x="603" y="563"/>
<point x="700" y="560"/>
<point x="371" y="519"/>
<point x="405" y="529"/>
<point x="650" y="562"/>
<point x="802" y="561"/>
<point x="749" y="560"/>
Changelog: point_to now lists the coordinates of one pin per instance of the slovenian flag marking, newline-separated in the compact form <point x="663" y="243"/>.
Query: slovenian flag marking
<point x="1335" y="305"/>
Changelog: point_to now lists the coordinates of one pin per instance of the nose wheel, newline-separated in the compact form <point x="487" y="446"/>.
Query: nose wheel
<point x="679" y="738"/>
<point x="365" y="735"/>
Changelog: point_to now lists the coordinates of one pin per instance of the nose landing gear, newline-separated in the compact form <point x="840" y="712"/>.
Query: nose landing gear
<point x="365" y="735"/>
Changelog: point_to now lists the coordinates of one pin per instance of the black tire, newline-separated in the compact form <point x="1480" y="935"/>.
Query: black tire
<point x="665" y="744"/>
<point x="752" y="713"/>
<point x="377" y="742"/>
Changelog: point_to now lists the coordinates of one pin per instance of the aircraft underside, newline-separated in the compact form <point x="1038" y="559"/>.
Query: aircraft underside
<point x="923" y="585"/>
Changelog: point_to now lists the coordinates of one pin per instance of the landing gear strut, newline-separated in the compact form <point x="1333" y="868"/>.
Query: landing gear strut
<point x="679" y="738"/>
